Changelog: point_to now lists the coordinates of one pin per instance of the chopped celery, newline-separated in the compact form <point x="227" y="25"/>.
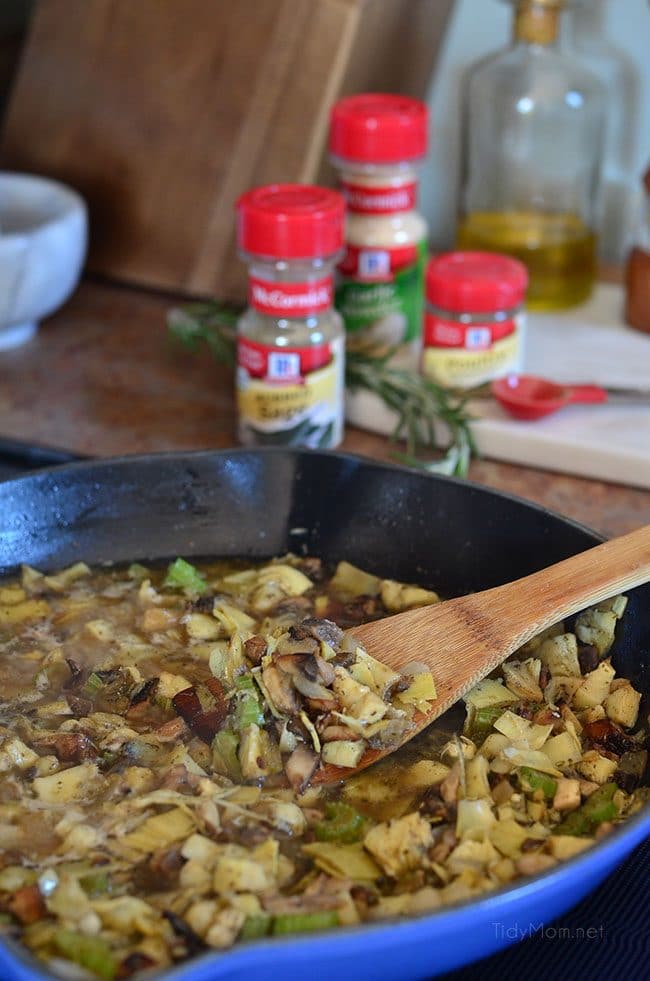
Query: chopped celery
<point x="342" y="823"/>
<point x="599" y="807"/>
<point x="182" y="575"/>
<point x="95" y="883"/>
<point x="531" y="780"/>
<point x="94" y="684"/>
<point x="224" y="755"/>
<point x="481" y="721"/>
<point x="304" y="922"/>
<point x="248" y="709"/>
<point x="255" y="926"/>
<point x="93" y="953"/>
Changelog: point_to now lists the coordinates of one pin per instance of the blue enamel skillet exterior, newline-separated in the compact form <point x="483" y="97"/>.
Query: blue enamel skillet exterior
<point x="440" y="532"/>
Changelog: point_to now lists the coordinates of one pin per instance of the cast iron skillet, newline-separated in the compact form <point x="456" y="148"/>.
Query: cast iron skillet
<point x="439" y="532"/>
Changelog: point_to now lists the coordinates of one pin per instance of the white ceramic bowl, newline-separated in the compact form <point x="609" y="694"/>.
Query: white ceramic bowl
<point x="43" y="237"/>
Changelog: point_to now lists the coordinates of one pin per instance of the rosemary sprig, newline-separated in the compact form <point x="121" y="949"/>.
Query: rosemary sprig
<point x="206" y="323"/>
<point x="420" y="405"/>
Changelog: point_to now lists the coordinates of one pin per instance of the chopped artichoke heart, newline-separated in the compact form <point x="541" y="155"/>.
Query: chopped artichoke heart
<point x="534" y="758"/>
<point x="343" y="752"/>
<point x="617" y="605"/>
<point x="259" y="756"/>
<point x="489" y="692"/>
<point x="424" y="773"/>
<point x="622" y="706"/>
<point x="566" y="846"/>
<point x="397" y="596"/>
<point x="160" y="831"/>
<point x="28" y="610"/>
<point x="471" y="855"/>
<point x="597" y="627"/>
<point x="76" y="783"/>
<point x="101" y="630"/>
<point x="201" y="849"/>
<point x="170" y="684"/>
<point x="60" y="582"/>
<point x="521" y="731"/>
<point x="560" y="655"/>
<point x="400" y="845"/>
<point x="358" y="700"/>
<point x="508" y="836"/>
<point x="565" y="748"/>
<point x="476" y="777"/>
<point x="343" y="861"/>
<point x="421" y="689"/>
<point x="240" y="873"/>
<point x="372" y="673"/>
<point x="594" y="687"/>
<point x="15" y="753"/>
<point x="218" y="657"/>
<point x="10" y="595"/>
<point x="474" y="817"/>
<point x="292" y="581"/>
<point x="523" y="678"/>
<point x="596" y="768"/>
<point x="561" y="688"/>
<point x="200" y="626"/>
<point x="233" y="619"/>
<point x="350" y="581"/>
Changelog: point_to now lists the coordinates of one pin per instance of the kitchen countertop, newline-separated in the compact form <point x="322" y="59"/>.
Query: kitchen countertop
<point x="100" y="378"/>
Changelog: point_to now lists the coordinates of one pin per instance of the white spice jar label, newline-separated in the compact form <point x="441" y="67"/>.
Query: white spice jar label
<point x="290" y="396"/>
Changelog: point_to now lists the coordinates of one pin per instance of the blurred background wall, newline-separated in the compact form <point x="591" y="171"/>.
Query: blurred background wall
<point x="615" y="42"/>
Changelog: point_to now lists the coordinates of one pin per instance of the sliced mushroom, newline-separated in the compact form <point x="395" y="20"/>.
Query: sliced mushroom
<point x="300" y="767"/>
<point x="280" y="689"/>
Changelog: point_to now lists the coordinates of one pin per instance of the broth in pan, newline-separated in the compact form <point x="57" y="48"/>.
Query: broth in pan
<point x="161" y="730"/>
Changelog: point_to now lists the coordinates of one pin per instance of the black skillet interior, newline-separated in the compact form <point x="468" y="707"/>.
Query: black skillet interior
<point x="450" y="535"/>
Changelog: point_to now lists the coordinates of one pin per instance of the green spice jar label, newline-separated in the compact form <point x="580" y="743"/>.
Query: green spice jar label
<point x="290" y="396"/>
<point x="380" y="294"/>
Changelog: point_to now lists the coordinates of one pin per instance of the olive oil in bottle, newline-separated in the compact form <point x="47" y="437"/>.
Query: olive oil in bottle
<point x="558" y="250"/>
<point x="533" y="135"/>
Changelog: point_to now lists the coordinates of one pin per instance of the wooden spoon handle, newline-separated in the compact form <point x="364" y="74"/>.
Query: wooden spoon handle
<point x="545" y="597"/>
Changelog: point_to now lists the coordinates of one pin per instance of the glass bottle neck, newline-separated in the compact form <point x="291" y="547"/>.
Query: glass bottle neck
<point x="537" y="23"/>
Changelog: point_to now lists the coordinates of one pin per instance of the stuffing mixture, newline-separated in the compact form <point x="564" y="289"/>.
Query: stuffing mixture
<point x="162" y="732"/>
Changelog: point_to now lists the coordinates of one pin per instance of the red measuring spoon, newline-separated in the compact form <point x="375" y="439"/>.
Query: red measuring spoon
<point x="529" y="397"/>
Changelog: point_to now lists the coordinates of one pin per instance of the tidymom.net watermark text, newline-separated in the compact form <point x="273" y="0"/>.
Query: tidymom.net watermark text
<point x="517" y="931"/>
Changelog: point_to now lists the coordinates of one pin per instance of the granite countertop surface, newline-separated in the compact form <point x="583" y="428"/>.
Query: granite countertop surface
<point x="101" y="378"/>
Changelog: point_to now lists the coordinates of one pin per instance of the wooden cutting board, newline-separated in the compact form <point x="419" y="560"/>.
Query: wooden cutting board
<point x="161" y="112"/>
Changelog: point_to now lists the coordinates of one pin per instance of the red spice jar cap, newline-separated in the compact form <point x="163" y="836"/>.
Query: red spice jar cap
<point x="378" y="128"/>
<point x="290" y="221"/>
<point x="475" y="282"/>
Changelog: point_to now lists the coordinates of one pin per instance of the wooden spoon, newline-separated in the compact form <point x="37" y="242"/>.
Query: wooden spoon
<point x="464" y="639"/>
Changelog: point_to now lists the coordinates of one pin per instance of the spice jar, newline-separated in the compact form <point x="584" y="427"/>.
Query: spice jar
<point x="290" y="340"/>
<point x="375" y="142"/>
<point x="474" y="321"/>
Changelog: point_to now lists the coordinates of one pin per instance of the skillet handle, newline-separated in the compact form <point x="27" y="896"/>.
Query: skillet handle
<point x="30" y="456"/>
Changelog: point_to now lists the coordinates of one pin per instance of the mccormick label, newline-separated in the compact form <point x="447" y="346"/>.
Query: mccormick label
<point x="290" y="299"/>
<point x="290" y="396"/>
<point x="466" y="355"/>
<point x="379" y="294"/>
<point x="365" y="200"/>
